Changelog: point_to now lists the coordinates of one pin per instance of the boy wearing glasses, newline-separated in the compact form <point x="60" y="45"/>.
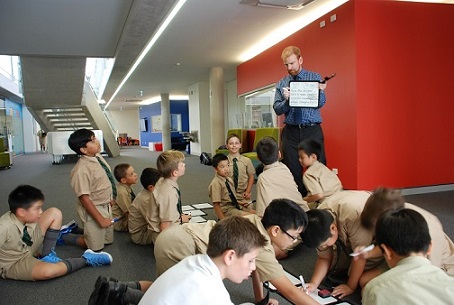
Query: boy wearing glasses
<point x="281" y="224"/>
<point x="94" y="188"/>
<point x="335" y="229"/>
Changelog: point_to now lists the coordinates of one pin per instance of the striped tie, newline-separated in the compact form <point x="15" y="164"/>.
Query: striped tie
<point x="26" y="238"/>
<point x="235" y="173"/>
<point x="110" y="176"/>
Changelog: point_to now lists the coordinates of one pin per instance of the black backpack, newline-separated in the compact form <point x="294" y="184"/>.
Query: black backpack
<point x="205" y="158"/>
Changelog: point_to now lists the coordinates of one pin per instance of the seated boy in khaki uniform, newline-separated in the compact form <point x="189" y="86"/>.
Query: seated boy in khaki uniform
<point x="319" y="181"/>
<point x="94" y="185"/>
<point x="167" y="192"/>
<point x="222" y="191"/>
<point x="143" y="217"/>
<point x="126" y="176"/>
<point x="27" y="233"/>
<point x="276" y="180"/>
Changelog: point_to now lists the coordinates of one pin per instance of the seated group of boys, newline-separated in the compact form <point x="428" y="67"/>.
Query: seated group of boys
<point x="245" y="241"/>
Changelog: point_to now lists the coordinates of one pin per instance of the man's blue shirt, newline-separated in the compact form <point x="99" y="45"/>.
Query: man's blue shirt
<point x="298" y="115"/>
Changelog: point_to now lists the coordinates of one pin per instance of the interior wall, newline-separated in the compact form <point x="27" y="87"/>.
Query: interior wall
<point x="325" y="50"/>
<point x="404" y="93"/>
<point x="199" y="117"/>
<point x="147" y="111"/>
<point x="127" y="121"/>
<point x="387" y="120"/>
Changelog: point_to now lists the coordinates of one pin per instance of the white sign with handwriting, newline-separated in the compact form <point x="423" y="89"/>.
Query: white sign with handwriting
<point x="304" y="94"/>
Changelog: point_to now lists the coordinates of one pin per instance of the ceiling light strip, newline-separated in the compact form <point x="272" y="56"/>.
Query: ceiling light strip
<point x="150" y="44"/>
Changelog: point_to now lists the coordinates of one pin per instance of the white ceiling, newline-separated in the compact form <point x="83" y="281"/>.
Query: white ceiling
<point x="204" y="34"/>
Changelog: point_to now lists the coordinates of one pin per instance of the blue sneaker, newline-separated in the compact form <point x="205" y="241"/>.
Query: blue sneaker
<point x="51" y="257"/>
<point x="96" y="259"/>
<point x="65" y="229"/>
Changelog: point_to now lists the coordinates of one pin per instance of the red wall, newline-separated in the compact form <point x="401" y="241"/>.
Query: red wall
<point x="387" y="120"/>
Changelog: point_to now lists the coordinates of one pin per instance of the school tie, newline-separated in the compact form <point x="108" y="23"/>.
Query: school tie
<point x="26" y="238"/>
<point x="235" y="173"/>
<point x="133" y="196"/>
<point x="179" y="207"/>
<point x="110" y="176"/>
<point x="298" y="111"/>
<point x="232" y="195"/>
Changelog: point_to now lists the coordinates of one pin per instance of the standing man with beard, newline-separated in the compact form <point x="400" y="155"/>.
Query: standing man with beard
<point x="300" y="122"/>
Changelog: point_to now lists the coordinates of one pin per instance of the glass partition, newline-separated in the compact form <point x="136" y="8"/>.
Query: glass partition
<point x="259" y="109"/>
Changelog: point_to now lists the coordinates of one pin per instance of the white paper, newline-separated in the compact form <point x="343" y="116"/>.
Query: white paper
<point x="304" y="94"/>
<point x="198" y="219"/>
<point x="295" y="281"/>
<point x="197" y="213"/>
<point x="204" y="205"/>
<point x="187" y="208"/>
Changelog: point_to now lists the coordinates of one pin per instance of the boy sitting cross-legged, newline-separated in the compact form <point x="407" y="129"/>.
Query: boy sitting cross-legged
<point x="222" y="191"/>
<point x="28" y="236"/>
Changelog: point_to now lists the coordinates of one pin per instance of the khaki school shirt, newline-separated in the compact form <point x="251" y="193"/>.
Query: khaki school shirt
<point x="268" y="268"/>
<point x="319" y="179"/>
<point x="245" y="169"/>
<point x="12" y="248"/>
<point x="276" y="181"/>
<point x="89" y="178"/>
<point x="218" y="191"/>
<point x="166" y="197"/>
<point x="123" y="200"/>
<point x="144" y="213"/>
<point x="346" y="207"/>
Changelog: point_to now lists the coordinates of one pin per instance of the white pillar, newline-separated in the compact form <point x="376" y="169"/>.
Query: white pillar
<point x="165" y="121"/>
<point x="216" y="83"/>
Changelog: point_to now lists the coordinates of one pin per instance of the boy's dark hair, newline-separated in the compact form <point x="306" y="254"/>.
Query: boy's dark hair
<point x="310" y="146"/>
<point x="149" y="177"/>
<point x="217" y="158"/>
<point x="318" y="227"/>
<point x="267" y="150"/>
<point x="284" y="213"/>
<point x="404" y="231"/>
<point x="381" y="200"/>
<point x="24" y="196"/>
<point x="120" y="171"/>
<point x="168" y="161"/>
<point x="234" y="233"/>
<point x="233" y="135"/>
<point x="79" y="139"/>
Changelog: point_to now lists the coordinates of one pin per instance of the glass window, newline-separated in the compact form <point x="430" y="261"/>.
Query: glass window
<point x="259" y="110"/>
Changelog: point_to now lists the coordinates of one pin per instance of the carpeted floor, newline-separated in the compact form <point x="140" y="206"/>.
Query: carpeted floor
<point x="133" y="262"/>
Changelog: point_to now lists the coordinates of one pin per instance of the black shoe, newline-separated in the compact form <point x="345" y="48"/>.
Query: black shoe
<point x="100" y="294"/>
<point x="116" y="293"/>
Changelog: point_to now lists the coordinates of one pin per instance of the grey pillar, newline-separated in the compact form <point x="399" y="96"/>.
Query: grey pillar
<point x="216" y="82"/>
<point x="165" y="121"/>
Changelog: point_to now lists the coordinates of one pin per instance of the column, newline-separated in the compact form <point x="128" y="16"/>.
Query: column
<point x="216" y="84"/>
<point x="165" y="121"/>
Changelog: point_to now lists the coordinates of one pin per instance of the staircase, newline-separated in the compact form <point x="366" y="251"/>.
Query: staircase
<point x="59" y="98"/>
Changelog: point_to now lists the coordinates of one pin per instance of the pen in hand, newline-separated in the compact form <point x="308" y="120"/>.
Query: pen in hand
<point x="303" y="284"/>
<point x="367" y="249"/>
